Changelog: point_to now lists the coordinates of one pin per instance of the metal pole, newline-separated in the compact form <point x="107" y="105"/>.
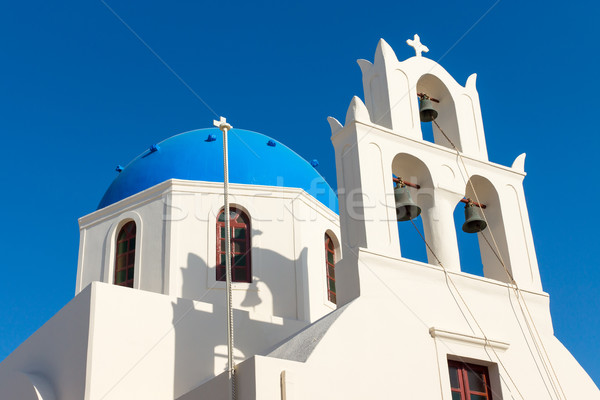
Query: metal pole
<point x="224" y="127"/>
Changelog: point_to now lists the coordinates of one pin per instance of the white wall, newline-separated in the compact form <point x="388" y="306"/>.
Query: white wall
<point x="52" y="363"/>
<point x="395" y="341"/>
<point x="146" y="345"/>
<point x="98" y="232"/>
<point x="112" y="342"/>
<point x="387" y="332"/>
<point x="176" y="253"/>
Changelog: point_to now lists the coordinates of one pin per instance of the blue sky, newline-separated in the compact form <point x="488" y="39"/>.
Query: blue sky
<point x="79" y="94"/>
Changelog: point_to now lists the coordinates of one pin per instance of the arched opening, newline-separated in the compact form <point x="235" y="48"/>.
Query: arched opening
<point x="330" y="268"/>
<point x="433" y="87"/>
<point x="492" y="243"/>
<point x="125" y="255"/>
<point x="410" y="169"/>
<point x="468" y="245"/>
<point x="241" y="268"/>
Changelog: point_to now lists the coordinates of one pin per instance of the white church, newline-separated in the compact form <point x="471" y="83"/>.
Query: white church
<point x="324" y="304"/>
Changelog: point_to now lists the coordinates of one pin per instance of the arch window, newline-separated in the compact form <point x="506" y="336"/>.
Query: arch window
<point x="125" y="257"/>
<point x="241" y="270"/>
<point x="330" y="269"/>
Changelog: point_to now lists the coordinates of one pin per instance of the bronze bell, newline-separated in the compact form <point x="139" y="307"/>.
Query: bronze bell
<point x="426" y="110"/>
<point x="474" y="222"/>
<point x="406" y="209"/>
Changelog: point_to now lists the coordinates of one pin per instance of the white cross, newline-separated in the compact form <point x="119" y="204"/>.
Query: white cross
<point x="222" y="124"/>
<point x="418" y="46"/>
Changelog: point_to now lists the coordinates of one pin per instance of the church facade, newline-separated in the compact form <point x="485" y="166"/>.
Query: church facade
<point x="325" y="305"/>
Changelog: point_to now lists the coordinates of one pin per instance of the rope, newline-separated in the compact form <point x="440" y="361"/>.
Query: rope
<point x="383" y="283"/>
<point x="515" y="286"/>
<point x="449" y="280"/>
<point x="529" y="326"/>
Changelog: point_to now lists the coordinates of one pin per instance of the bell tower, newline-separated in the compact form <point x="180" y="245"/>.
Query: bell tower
<point x="381" y="146"/>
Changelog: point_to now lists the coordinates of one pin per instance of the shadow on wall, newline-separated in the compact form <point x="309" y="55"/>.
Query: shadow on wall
<point x="276" y="280"/>
<point x="200" y="328"/>
<point x="193" y="278"/>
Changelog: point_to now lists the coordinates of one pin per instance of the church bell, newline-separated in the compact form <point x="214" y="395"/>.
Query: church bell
<point x="406" y="209"/>
<point x="474" y="222"/>
<point x="426" y="110"/>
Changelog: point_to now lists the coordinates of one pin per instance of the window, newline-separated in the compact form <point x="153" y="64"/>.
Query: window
<point x="125" y="258"/>
<point x="469" y="381"/>
<point x="240" y="246"/>
<point x="330" y="268"/>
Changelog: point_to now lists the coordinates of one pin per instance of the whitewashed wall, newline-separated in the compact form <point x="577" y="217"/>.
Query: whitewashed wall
<point x="176" y="246"/>
<point x="395" y="340"/>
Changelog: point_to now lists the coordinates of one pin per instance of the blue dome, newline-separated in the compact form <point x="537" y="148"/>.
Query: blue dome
<point x="254" y="159"/>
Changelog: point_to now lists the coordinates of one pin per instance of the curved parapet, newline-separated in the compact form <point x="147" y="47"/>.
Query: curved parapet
<point x="335" y="125"/>
<point x="357" y="111"/>
<point x="519" y="163"/>
<point x="391" y="96"/>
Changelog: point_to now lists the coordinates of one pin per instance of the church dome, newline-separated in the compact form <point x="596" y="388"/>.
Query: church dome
<point x="254" y="159"/>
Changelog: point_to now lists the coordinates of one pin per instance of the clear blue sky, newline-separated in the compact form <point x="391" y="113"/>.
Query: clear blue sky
<point x="79" y="93"/>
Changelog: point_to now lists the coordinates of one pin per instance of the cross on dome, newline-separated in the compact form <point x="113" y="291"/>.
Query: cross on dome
<point x="417" y="45"/>
<point x="222" y="124"/>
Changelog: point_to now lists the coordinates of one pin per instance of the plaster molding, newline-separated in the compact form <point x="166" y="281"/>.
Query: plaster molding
<point x="187" y="186"/>
<point x="362" y="252"/>
<point x="463" y="338"/>
<point x="480" y="162"/>
<point x="128" y="203"/>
